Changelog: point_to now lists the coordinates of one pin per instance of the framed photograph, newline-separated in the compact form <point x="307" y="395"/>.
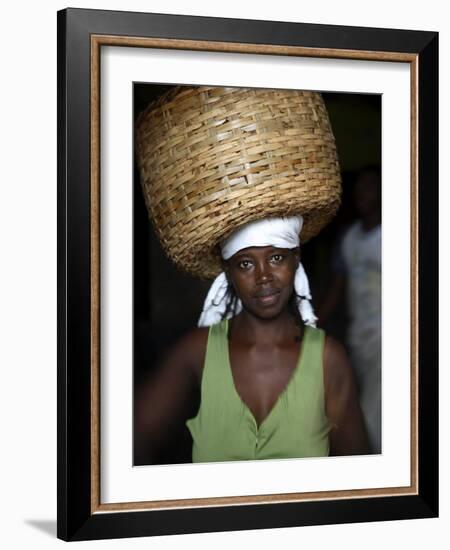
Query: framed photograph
<point x="122" y="304"/>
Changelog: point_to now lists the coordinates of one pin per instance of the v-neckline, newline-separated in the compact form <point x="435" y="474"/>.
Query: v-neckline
<point x="294" y="373"/>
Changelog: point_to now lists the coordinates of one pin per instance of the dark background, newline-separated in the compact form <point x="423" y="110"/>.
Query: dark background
<point x="167" y="302"/>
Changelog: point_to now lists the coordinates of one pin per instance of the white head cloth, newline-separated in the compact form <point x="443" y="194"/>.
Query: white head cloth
<point x="278" y="232"/>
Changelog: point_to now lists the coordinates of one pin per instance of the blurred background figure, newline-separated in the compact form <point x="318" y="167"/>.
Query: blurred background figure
<point x="357" y="273"/>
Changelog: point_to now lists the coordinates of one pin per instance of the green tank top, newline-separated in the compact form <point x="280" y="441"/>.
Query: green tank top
<point x="225" y="428"/>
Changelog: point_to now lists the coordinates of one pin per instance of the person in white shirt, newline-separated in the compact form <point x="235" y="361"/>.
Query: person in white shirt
<point x="358" y="273"/>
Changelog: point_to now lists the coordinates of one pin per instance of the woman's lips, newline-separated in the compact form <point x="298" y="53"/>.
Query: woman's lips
<point x="268" y="298"/>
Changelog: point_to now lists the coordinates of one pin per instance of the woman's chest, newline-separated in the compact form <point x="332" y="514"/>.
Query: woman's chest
<point x="260" y="376"/>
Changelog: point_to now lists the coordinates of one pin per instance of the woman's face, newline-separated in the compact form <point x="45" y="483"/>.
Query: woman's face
<point x="263" y="278"/>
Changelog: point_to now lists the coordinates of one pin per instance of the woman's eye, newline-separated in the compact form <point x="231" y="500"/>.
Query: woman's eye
<point x="277" y="258"/>
<point x="244" y="264"/>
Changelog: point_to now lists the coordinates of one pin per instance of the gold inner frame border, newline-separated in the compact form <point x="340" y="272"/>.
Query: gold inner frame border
<point x="97" y="41"/>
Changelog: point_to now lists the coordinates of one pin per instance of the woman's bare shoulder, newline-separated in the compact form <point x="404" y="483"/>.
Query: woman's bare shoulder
<point x="337" y="369"/>
<point x="190" y="349"/>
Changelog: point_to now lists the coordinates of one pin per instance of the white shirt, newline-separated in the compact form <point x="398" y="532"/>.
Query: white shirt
<point x="361" y="252"/>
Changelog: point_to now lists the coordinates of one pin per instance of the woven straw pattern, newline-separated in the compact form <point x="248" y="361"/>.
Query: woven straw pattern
<point x="212" y="159"/>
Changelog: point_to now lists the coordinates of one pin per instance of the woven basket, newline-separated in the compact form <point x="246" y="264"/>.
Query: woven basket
<point x="212" y="159"/>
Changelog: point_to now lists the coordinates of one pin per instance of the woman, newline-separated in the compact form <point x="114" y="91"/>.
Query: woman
<point x="231" y="176"/>
<point x="272" y="385"/>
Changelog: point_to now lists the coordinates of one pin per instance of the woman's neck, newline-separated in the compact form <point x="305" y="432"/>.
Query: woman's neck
<point x="253" y="330"/>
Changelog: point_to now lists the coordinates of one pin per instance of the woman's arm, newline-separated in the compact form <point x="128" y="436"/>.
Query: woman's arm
<point x="348" y="434"/>
<point x="161" y="400"/>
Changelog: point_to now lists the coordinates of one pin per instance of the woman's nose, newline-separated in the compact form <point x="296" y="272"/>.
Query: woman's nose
<point x="263" y="272"/>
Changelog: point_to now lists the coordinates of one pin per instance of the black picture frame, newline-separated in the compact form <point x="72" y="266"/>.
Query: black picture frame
<point x="80" y="35"/>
